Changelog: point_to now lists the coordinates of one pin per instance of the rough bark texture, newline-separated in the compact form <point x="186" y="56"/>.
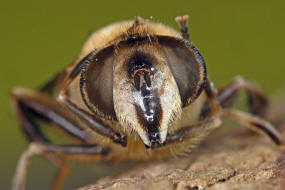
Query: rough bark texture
<point x="228" y="159"/>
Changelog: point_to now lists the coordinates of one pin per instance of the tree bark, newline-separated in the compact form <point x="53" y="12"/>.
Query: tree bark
<point x="230" y="158"/>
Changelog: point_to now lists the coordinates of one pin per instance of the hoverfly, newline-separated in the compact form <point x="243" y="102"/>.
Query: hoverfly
<point x="139" y="90"/>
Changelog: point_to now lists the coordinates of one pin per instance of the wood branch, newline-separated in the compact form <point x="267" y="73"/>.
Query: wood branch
<point x="231" y="158"/>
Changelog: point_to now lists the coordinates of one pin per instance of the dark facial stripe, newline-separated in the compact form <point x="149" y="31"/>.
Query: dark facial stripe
<point x="149" y="113"/>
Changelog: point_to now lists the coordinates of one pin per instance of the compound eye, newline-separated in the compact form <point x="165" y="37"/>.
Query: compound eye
<point x="97" y="84"/>
<point x="186" y="65"/>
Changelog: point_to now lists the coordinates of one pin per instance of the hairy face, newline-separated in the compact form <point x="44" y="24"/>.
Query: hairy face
<point x="146" y="97"/>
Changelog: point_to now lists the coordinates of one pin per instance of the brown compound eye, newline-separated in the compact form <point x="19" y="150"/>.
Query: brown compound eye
<point x="186" y="65"/>
<point x="97" y="83"/>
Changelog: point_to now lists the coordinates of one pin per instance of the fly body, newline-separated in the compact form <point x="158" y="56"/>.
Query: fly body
<point x="138" y="90"/>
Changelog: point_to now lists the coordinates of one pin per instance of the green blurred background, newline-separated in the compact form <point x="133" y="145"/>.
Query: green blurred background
<point x="38" y="38"/>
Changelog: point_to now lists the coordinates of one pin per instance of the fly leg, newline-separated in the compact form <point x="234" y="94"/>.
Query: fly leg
<point x="61" y="175"/>
<point x="212" y="101"/>
<point x="194" y="132"/>
<point x="257" y="102"/>
<point x="30" y="106"/>
<point x="38" y="148"/>
<point x="256" y="124"/>
<point x="226" y="96"/>
<point x="183" y="23"/>
<point x="198" y="131"/>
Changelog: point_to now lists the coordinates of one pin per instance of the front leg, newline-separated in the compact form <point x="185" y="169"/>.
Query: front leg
<point x="61" y="175"/>
<point x="194" y="133"/>
<point x="257" y="102"/>
<point x="256" y="124"/>
<point x="95" y="125"/>
<point x="29" y="105"/>
<point x="37" y="148"/>
<point x="226" y="96"/>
